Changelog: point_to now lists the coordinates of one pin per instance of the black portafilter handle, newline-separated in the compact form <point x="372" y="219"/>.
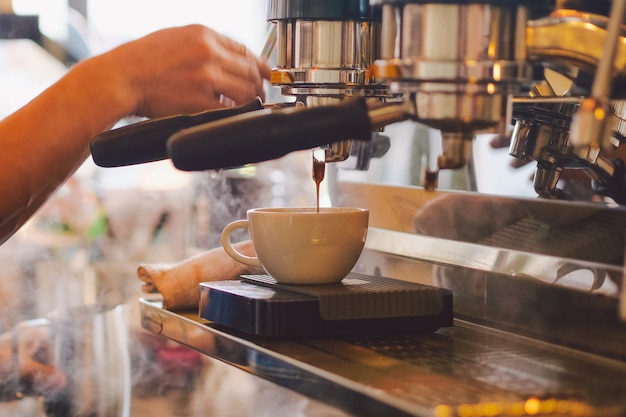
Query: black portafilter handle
<point x="146" y="141"/>
<point x="265" y="135"/>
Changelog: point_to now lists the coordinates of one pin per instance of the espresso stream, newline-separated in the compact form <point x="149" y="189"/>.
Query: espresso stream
<point x="431" y="179"/>
<point x="319" y="170"/>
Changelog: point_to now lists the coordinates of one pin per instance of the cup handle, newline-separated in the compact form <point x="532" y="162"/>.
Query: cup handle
<point x="229" y="248"/>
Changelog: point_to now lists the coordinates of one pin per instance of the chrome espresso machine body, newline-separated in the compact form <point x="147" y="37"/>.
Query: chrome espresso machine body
<point x="539" y="305"/>
<point x="324" y="53"/>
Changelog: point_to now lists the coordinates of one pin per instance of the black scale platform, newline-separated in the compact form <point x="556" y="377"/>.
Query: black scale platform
<point x="359" y="304"/>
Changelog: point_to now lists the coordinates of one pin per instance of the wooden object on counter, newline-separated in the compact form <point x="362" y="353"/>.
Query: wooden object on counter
<point x="178" y="283"/>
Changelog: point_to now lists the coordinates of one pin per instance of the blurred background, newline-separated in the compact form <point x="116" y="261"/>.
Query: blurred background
<point x="83" y="247"/>
<point x="108" y="220"/>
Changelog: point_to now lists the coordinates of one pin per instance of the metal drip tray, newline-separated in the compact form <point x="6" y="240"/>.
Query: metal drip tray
<point x="464" y="370"/>
<point x="475" y="368"/>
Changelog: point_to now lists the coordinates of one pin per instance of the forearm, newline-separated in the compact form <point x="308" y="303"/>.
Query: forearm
<point x="44" y="142"/>
<point x="176" y="70"/>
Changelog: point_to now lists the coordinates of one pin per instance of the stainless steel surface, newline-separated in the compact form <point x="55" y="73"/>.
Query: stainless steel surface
<point x="321" y="54"/>
<point x="461" y="80"/>
<point x="437" y="43"/>
<point x="542" y="134"/>
<point x="462" y="68"/>
<point x="601" y="87"/>
<point x="513" y="236"/>
<point x="570" y="41"/>
<point x="575" y="44"/>
<point x="466" y="370"/>
<point x="323" y="61"/>
<point x="478" y="257"/>
<point x="458" y="78"/>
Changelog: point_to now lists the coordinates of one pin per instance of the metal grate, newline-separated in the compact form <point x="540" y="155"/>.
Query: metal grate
<point x="461" y="367"/>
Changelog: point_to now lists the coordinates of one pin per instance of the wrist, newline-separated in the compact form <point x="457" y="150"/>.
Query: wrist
<point x="106" y="81"/>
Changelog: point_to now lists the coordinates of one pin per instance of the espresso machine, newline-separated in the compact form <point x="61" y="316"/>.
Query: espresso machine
<point x="536" y="282"/>
<point x="485" y="73"/>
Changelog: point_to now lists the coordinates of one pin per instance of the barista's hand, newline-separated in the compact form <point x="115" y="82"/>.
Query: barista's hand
<point x="172" y="71"/>
<point x="184" y="70"/>
<point x="33" y="376"/>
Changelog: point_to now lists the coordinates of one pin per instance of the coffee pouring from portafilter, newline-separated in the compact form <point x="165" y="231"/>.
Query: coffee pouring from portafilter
<point x="319" y="172"/>
<point x="323" y="55"/>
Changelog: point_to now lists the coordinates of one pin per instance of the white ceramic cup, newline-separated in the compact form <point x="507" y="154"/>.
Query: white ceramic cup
<point x="300" y="245"/>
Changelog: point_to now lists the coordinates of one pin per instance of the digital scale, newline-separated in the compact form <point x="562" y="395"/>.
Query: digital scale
<point x="359" y="304"/>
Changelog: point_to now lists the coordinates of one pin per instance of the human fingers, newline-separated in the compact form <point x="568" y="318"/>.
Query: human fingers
<point x="234" y="88"/>
<point x="166" y="72"/>
<point x="238" y="78"/>
<point x="242" y="73"/>
<point x="241" y="50"/>
<point x="184" y="70"/>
